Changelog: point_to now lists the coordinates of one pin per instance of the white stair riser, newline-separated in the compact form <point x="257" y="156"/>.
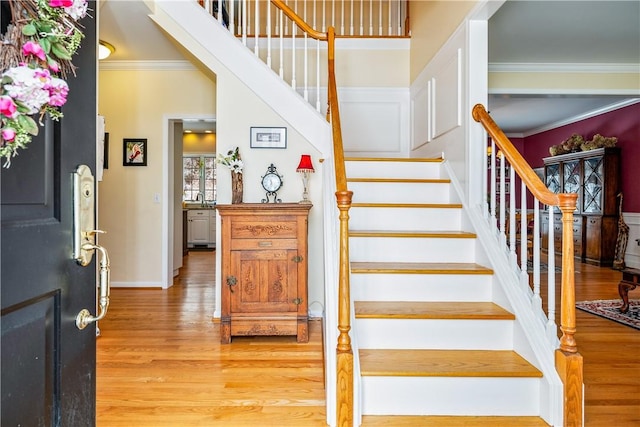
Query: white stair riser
<point x="450" y="396"/>
<point x="378" y="169"/>
<point x="421" y="287"/>
<point x="411" y="219"/>
<point x="408" y="249"/>
<point x="385" y="192"/>
<point x="435" y="334"/>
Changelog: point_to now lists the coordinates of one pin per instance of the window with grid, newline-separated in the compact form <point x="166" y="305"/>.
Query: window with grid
<point x="198" y="178"/>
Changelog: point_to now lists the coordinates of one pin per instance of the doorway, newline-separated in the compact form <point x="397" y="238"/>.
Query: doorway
<point x="176" y="127"/>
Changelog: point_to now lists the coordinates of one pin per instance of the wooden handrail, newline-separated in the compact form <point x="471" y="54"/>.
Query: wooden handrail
<point x="291" y="14"/>
<point x="344" y="351"/>
<point x="568" y="360"/>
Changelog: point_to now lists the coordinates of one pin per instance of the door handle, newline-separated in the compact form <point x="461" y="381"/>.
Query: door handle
<point x="84" y="318"/>
<point x="84" y="240"/>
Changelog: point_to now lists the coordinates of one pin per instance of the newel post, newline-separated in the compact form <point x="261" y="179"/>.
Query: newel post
<point x="344" y="351"/>
<point x="568" y="360"/>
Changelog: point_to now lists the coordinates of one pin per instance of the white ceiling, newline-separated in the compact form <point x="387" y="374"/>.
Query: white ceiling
<point x="525" y="33"/>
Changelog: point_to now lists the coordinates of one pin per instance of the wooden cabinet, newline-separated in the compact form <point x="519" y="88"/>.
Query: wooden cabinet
<point x="264" y="270"/>
<point x="595" y="176"/>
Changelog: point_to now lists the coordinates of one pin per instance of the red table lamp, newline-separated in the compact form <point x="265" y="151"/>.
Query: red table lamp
<point x="305" y="167"/>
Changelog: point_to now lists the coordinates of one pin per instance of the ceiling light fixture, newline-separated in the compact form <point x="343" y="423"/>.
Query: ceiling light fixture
<point x="105" y="49"/>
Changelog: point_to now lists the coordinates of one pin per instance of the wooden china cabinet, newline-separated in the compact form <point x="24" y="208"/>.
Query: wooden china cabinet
<point x="595" y="176"/>
<point x="264" y="270"/>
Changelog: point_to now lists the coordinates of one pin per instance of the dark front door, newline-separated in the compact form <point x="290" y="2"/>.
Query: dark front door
<point x="48" y="364"/>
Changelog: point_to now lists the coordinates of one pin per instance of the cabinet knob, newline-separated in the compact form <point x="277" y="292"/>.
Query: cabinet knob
<point x="297" y="258"/>
<point x="297" y="301"/>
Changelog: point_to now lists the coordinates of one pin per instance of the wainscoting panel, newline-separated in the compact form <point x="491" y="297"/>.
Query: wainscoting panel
<point x="375" y="121"/>
<point x="421" y="119"/>
<point x="447" y="96"/>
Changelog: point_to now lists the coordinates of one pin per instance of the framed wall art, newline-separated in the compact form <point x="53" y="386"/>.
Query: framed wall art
<point x="268" y="137"/>
<point x="134" y="152"/>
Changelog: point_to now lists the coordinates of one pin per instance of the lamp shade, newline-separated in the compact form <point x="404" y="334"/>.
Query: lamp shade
<point x="305" y="164"/>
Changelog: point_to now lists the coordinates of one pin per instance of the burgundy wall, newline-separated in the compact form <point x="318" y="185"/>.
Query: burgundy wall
<point x="623" y="123"/>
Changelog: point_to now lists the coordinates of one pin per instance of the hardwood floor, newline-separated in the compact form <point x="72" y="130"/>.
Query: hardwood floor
<point x="160" y="362"/>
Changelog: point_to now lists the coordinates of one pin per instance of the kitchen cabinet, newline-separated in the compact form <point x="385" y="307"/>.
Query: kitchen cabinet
<point x="199" y="228"/>
<point x="264" y="270"/>
<point x="595" y="176"/>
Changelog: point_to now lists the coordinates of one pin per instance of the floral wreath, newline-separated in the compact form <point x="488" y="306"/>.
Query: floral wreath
<point x="35" y="59"/>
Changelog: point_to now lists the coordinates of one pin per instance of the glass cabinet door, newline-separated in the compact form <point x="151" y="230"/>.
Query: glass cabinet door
<point x="552" y="180"/>
<point x="593" y="173"/>
<point x="571" y="178"/>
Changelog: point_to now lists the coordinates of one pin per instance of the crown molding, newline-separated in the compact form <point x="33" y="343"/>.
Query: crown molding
<point x="146" y="65"/>
<point x="526" y="67"/>
<point x="583" y="116"/>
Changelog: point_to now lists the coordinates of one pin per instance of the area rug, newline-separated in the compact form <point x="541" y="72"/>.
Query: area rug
<point x="610" y="309"/>
<point x="543" y="267"/>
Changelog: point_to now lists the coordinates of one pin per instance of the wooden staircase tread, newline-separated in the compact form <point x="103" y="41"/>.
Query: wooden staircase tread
<point x="408" y="205"/>
<point x="450" y="421"/>
<point x="430" y="310"/>
<point x="394" y="159"/>
<point x="445" y="363"/>
<point x="419" y="268"/>
<point x="402" y="233"/>
<point x="402" y="180"/>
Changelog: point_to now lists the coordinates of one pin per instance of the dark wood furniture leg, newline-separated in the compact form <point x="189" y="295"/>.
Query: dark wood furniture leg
<point x="628" y="283"/>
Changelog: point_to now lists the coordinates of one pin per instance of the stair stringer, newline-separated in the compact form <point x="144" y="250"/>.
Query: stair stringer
<point x="530" y="339"/>
<point x="202" y="35"/>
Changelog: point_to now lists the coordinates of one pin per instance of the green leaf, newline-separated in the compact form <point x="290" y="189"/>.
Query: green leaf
<point x="60" y="51"/>
<point x="46" y="45"/>
<point x="28" y="124"/>
<point x="29" y="30"/>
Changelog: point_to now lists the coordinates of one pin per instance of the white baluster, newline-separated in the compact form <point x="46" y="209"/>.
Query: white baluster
<point x="269" y="35"/>
<point x="342" y="23"/>
<point x="390" y="26"/>
<point x="256" y="27"/>
<point x="380" y="18"/>
<point x="232" y="18"/>
<point x="281" y="72"/>
<point x="294" y="29"/>
<point x="536" y="302"/>
<point x="362" y="17"/>
<point x="244" y="22"/>
<point x="493" y="184"/>
<point x="399" y="18"/>
<point x="219" y="17"/>
<point x="485" y="183"/>
<point x="324" y="15"/>
<point x="318" y="75"/>
<point x="523" y="227"/>
<point x="370" y="17"/>
<point x="351" y="28"/>
<point x="552" y="328"/>
<point x="306" y="67"/>
<point x="503" y="200"/>
<point x="512" y="215"/>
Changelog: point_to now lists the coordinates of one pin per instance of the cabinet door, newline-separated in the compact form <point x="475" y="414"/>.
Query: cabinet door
<point x="571" y="179"/>
<point x="265" y="281"/>
<point x="199" y="230"/>
<point x="212" y="226"/>
<point x="593" y="184"/>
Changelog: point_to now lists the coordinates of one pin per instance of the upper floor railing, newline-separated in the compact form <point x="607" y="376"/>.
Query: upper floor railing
<point x="350" y="18"/>
<point x="519" y="230"/>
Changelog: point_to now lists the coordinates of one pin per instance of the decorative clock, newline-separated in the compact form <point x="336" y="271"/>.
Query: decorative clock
<point x="272" y="182"/>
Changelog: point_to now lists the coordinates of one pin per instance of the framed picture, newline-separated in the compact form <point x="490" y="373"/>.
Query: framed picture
<point x="268" y="137"/>
<point x="134" y="152"/>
